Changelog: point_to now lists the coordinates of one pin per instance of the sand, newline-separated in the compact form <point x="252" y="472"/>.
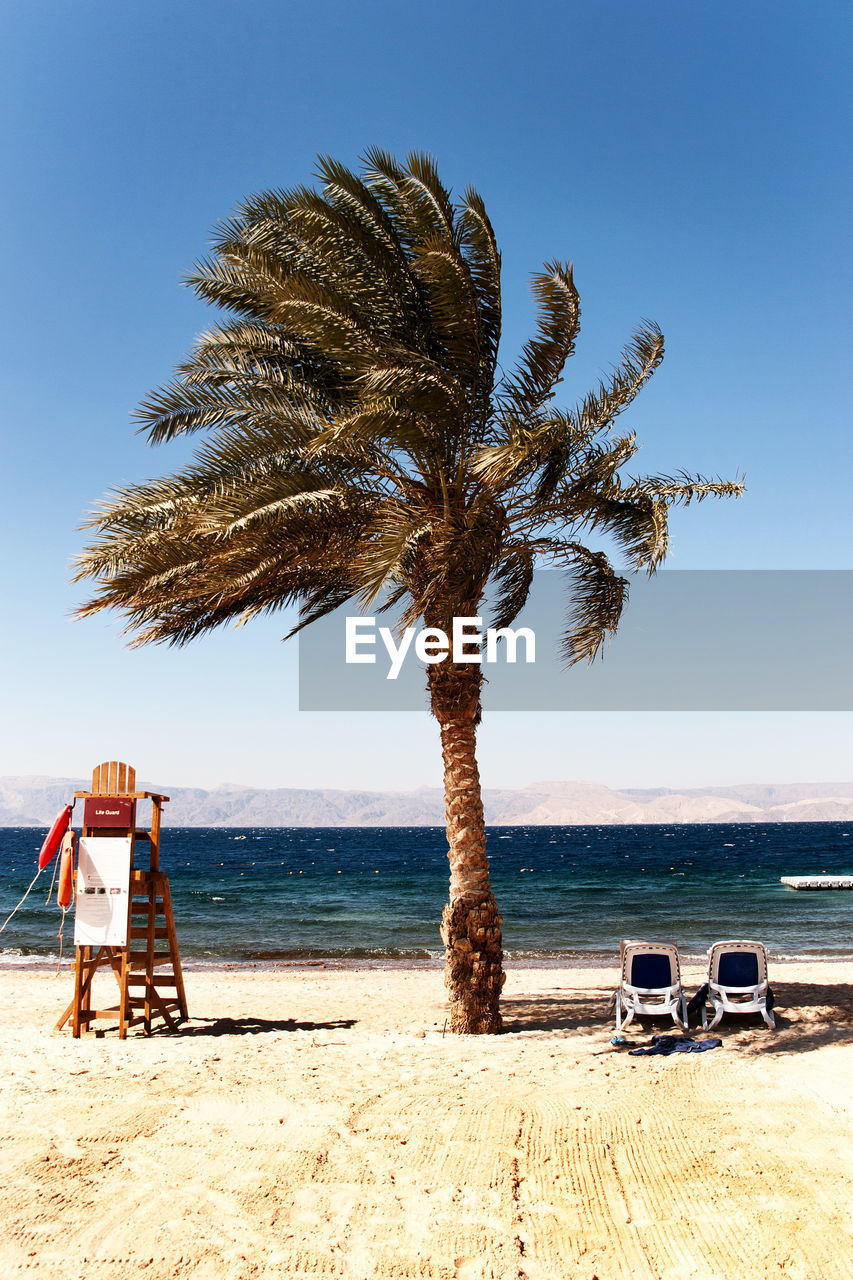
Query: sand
<point x="316" y="1123"/>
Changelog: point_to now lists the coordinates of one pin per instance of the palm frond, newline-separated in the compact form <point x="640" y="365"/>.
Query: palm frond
<point x="640" y="359"/>
<point x="597" y="597"/>
<point x="513" y="577"/>
<point x="540" y="368"/>
<point x="480" y="248"/>
<point x="682" y="488"/>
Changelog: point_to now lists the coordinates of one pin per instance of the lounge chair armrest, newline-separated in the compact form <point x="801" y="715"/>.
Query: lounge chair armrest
<point x="669" y="993"/>
<point x="754" y="991"/>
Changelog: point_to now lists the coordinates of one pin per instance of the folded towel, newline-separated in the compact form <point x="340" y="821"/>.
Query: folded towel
<point x="662" y="1046"/>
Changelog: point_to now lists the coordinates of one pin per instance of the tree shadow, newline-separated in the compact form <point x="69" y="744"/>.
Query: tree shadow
<point x="250" y="1026"/>
<point x="575" y="1010"/>
<point x="808" y="1015"/>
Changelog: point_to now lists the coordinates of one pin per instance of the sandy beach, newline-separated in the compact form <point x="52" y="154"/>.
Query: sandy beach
<point x="315" y="1122"/>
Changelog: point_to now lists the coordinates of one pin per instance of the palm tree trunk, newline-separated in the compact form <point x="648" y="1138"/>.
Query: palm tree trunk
<point x="470" y="926"/>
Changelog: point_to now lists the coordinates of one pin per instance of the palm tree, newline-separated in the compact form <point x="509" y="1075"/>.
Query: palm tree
<point x="361" y="444"/>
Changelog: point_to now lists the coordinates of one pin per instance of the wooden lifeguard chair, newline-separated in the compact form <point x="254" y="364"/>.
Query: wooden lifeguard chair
<point x="147" y="965"/>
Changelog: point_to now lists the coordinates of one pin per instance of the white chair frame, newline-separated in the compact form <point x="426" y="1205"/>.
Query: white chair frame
<point x="630" y="1000"/>
<point x="727" y="999"/>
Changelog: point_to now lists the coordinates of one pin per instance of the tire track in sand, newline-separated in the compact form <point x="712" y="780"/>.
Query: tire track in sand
<point x="524" y="1184"/>
<point x="75" y="1199"/>
<point x="398" y="1196"/>
<point x="641" y="1187"/>
<point x="515" y="1182"/>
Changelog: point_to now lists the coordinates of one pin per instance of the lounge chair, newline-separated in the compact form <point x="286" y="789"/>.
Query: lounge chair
<point x="650" y="983"/>
<point x="737" y="981"/>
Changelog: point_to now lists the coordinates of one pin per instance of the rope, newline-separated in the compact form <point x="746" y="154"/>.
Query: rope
<point x="20" y="904"/>
<point x="59" y="935"/>
<point x="52" y="881"/>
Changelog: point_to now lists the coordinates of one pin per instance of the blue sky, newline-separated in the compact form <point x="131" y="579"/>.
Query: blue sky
<point x="693" y="162"/>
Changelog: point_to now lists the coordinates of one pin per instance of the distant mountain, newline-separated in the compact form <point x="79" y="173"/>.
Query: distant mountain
<point x="34" y="801"/>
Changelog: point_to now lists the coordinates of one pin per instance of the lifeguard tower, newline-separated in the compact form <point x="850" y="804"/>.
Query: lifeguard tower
<point x="124" y="916"/>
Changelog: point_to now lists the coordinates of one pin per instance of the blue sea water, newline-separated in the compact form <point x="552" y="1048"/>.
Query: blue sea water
<point x="287" y="895"/>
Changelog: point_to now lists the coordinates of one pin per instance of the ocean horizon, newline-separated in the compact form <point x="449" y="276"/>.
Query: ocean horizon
<point x="271" y="896"/>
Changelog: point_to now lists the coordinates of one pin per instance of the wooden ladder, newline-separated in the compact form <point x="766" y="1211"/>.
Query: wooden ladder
<point x="152" y="924"/>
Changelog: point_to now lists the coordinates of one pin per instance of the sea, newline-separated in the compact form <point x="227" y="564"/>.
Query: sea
<point x="281" y="896"/>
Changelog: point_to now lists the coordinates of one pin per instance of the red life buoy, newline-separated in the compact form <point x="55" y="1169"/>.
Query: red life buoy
<point x="65" y="888"/>
<point x="53" y="839"/>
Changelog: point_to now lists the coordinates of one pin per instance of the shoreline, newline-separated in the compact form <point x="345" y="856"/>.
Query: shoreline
<point x="12" y="963"/>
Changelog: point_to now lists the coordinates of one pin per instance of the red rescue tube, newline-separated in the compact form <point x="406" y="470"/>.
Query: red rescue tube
<point x="65" y="888"/>
<point x="53" y="839"/>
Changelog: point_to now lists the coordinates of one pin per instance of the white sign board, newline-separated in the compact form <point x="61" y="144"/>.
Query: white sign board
<point x="103" y="885"/>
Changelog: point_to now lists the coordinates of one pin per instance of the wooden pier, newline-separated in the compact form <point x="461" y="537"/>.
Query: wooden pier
<point x="818" y="882"/>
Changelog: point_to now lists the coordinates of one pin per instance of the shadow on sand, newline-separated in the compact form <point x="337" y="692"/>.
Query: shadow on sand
<point x="808" y="1015"/>
<point x="572" y="1010"/>
<point x="258" y="1026"/>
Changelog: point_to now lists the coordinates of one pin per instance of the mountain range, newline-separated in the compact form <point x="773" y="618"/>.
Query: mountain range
<point x="34" y="801"/>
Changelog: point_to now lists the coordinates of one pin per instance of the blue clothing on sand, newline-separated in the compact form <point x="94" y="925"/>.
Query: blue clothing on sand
<point x="662" y="1046"/>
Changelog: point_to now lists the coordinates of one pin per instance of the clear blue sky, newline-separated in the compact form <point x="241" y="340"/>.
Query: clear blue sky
<point x="692" y="160"/>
